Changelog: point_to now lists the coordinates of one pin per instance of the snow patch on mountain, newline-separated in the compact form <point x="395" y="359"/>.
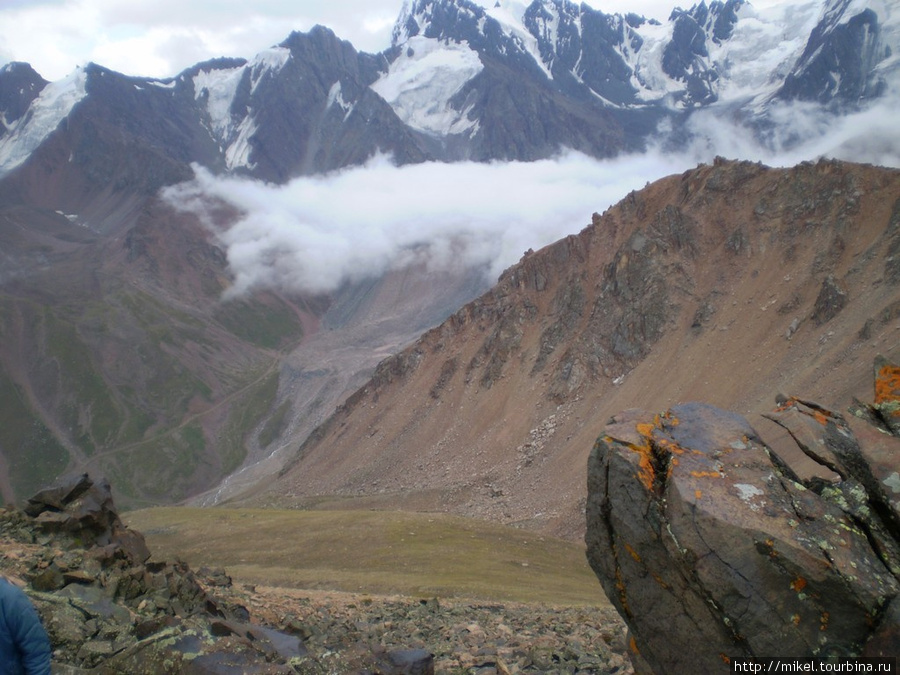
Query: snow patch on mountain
<point x="649" y="79"/>
<point x="336" y="97"/>
<point x="764" y="46"/>
<point x="238" y="153"/>
<point x="44" y="115"/>
<point x="219" y="87"/>
<point x="700" y="56"/>
<point x="510" y="14"/>
<point x="422" y="81"/>
<point x="268" y="61"/>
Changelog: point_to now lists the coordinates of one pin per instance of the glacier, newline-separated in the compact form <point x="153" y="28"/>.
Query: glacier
<point x="421" y="82"/>
<point x="44" y="115"/>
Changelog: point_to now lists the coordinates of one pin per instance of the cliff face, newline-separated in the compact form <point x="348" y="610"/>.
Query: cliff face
<point x="722" y="284"/>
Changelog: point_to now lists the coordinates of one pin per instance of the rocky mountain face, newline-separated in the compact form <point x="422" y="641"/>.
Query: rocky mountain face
<point x="716" y="285"/>
<point x="117" y="350"/>
<point x="700" y="532"/>
<point x="119" y="355"/>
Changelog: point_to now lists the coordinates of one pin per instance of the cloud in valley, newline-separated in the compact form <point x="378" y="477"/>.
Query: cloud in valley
<point x="313" y="234"/>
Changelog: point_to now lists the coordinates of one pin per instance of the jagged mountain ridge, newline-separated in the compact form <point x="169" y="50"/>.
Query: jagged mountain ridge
<point x="463" y="80"/>
<point x="723" y="284"/>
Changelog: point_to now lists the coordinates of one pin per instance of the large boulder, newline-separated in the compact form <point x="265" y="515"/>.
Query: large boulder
<point x="83" y="509"/>
<point x="712" y="547"/>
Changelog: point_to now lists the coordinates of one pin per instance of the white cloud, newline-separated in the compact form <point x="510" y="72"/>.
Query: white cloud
<point x="160" y="38"/>
<point x="313" y="234"/>
<point x="799" y="131"/>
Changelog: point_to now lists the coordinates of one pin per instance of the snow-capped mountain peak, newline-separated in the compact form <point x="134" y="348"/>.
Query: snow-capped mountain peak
<point x="474" y="79"/>
<point x="722" y="51"/>
<point x="43" y="116"/>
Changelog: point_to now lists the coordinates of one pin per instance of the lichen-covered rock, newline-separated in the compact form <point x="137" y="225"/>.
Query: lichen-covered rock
<point x="712" y="548"/>
<point x="887" y="394"/>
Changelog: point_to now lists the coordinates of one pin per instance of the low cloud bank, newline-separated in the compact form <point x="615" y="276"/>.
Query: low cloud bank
<point x="315" y="233"/>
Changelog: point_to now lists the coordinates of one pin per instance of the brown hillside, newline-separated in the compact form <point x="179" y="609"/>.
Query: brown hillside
<point x="726" y="284"/>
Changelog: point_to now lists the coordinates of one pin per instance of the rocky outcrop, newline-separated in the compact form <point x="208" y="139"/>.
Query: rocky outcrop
<point x="83" y="510"/>
<point x="702" y="535"/>
<point x="108" y="609"/>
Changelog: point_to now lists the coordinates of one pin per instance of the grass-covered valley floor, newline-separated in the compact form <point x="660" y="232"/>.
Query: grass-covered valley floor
<point x="375" y="552"/>
<point x="482" y="598"/>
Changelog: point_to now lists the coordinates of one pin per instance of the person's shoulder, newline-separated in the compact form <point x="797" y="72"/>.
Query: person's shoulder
<point x="9" y="590"/>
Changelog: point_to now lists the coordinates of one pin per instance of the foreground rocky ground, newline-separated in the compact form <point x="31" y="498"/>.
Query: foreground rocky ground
<point x="109" y="609"/>
<point x="465" y="636"/>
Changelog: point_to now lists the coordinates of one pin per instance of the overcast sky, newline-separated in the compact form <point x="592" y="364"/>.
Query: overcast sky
<point x="159" y="38"/>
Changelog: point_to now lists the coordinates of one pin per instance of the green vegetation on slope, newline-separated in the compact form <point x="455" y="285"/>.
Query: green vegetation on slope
<point x="160" y="469"/>
<point x="88" y="406"/>
<point x="254" y="405"/>
<point x="33" y="455"/>
<point x="260" y="323"/>
<point x="378" y="552"/>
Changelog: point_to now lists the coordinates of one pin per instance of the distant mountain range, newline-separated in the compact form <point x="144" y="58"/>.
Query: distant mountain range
<point x="117" y="352"/>
<point x="462" y="80"/>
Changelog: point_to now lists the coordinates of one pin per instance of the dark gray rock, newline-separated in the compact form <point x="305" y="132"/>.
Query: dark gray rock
<point x="83" y="509"/>
<point x="19" y="86"/>
<point x="700" y="534"/>
<point x="838" y="63"/>
<point x="411" y="662"/>
<point x="830" y="301"/>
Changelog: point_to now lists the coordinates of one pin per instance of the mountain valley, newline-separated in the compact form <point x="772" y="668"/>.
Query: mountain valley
<point x="352" y="324"/>
<point x="132" y="347"/>
<point x="727" y="284"/>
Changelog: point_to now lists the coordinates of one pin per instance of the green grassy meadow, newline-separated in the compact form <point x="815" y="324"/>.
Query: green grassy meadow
<point x="374" y="552"/>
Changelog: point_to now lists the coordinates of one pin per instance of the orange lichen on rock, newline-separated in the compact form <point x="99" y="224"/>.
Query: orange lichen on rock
<point x="887" y="384"/>
<point x="646" y="473"/>
<point x="632" y="645"/>
<point x="798" y="584"/>
<point x="633" y="553"/>
<point x="669" y="446"/>
<point x="620" y="587"/>
<point x="698" y="494"/>
<point x="820" y="417"/>
<point x="824" y="621"/>
<point x="646" y="429"/>
<point x="706" y="474"/>
<point x="785" y="404"/>
<point x="668" y="419"/>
